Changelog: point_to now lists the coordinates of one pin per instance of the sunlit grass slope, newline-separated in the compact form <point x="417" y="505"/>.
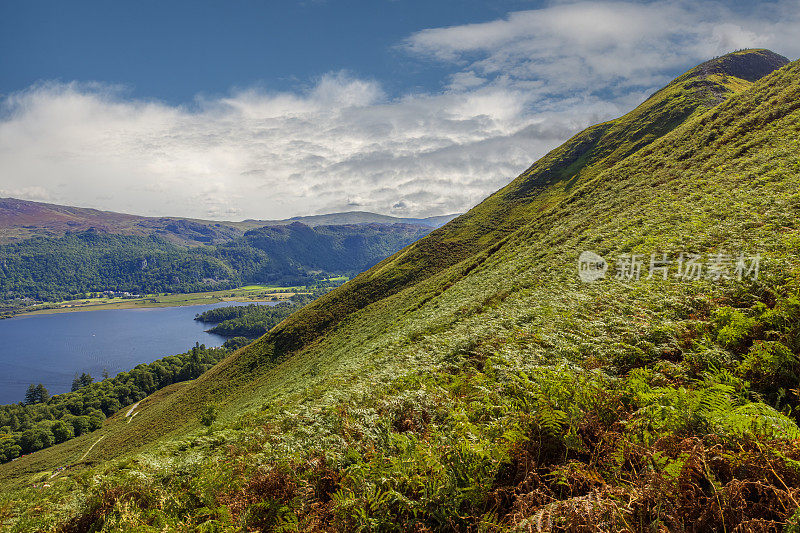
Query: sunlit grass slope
<point x="471" y="381"/>
<point x="546" y="183"/>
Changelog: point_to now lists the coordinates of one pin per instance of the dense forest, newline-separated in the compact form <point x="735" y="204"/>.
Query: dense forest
<point x="243" y="323"/>
<point x="77" y="264"/>
<point x="53" y="269"/>
<point x="248" y="321"/>
<point x="42" y="421"/>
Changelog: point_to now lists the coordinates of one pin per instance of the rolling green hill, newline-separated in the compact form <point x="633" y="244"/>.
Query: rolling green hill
<point x="473" y="382"/>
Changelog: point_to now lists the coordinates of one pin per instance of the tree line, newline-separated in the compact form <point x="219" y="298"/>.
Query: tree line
<point x="249" y="321"/>
<point x="246" y="322"/>
<point x="42" y="421"/>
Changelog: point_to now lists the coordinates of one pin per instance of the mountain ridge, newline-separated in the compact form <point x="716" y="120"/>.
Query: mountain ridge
<point x="502" y="213"/>
<point x="22" y="219"/>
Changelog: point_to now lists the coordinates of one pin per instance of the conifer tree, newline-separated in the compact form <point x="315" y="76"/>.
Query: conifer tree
<point x="30" y="395"/>
<point x="42" y="394"/>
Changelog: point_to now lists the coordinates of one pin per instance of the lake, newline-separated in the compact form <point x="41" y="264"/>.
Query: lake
<point x="51" y="348"/>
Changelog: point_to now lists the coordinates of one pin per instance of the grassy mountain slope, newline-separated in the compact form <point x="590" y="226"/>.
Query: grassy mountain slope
<point x="544" y="184"/>
<point x="471" y="380"/>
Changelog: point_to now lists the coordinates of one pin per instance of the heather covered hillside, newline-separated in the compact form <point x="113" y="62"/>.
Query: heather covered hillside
<point x="474" y="382"/>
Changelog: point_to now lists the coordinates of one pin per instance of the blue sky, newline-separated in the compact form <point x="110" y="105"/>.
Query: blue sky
<point x="174" y="50"/>
<point x="233" y="110"/>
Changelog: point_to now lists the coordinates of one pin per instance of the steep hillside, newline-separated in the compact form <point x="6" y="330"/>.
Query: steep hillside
<point x="473" y="382"/>
<point x="543" y="185"/>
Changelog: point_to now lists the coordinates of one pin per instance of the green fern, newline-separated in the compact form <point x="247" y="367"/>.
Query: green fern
<point x="758" y="419"/>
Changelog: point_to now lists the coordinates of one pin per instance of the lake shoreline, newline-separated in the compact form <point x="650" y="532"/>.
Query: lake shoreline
<point x="52" y="348"/>
<point x="248" y="294"/>
<point x="113" y="306"/>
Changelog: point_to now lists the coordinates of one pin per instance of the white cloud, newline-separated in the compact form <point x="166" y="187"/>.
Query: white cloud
<point x="514" y="89"/>
<point x="340" y="146"/>
<point x="593" y="45"/>
<point x="28" y="193"/>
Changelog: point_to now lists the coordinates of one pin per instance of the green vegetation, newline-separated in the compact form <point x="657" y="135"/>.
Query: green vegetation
<point x="252" y="321"/>
<point x="54" y="269"/>
<point x="36" y="394"/>
<point x="208" y="415"/>
<point x="43" y="420"/>
<point x="84" y="380"/>
<point x="249" y="321"/>
<point x="254" y="293"/>
<point x="471" y="382"/>
<point x="78" y="265"/>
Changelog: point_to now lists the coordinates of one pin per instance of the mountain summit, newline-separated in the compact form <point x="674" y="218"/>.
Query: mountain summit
<point x="748" y="65"/>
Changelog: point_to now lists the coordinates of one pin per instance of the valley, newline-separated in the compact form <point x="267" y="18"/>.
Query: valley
<point x="75" y="258"/>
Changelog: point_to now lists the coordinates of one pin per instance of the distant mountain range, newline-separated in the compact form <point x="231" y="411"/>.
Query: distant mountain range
<point x="52" y="252"/>
<point x="357" y="217"/>
<point x="22" y="219"/>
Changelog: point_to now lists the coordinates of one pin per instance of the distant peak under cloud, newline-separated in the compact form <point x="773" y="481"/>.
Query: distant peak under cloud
<point x="512" y="89"/>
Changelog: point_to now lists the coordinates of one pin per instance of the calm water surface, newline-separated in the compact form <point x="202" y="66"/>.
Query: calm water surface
<point x="49" y="349"/>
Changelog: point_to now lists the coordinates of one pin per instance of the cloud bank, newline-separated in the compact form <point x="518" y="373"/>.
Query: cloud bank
<point x="513" y="89"/>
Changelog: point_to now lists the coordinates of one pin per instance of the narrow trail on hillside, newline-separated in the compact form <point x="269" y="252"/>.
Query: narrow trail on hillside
<point x="128" y="414"/>
<point x="63" y="468"/>
<point x="90" y="448"/>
